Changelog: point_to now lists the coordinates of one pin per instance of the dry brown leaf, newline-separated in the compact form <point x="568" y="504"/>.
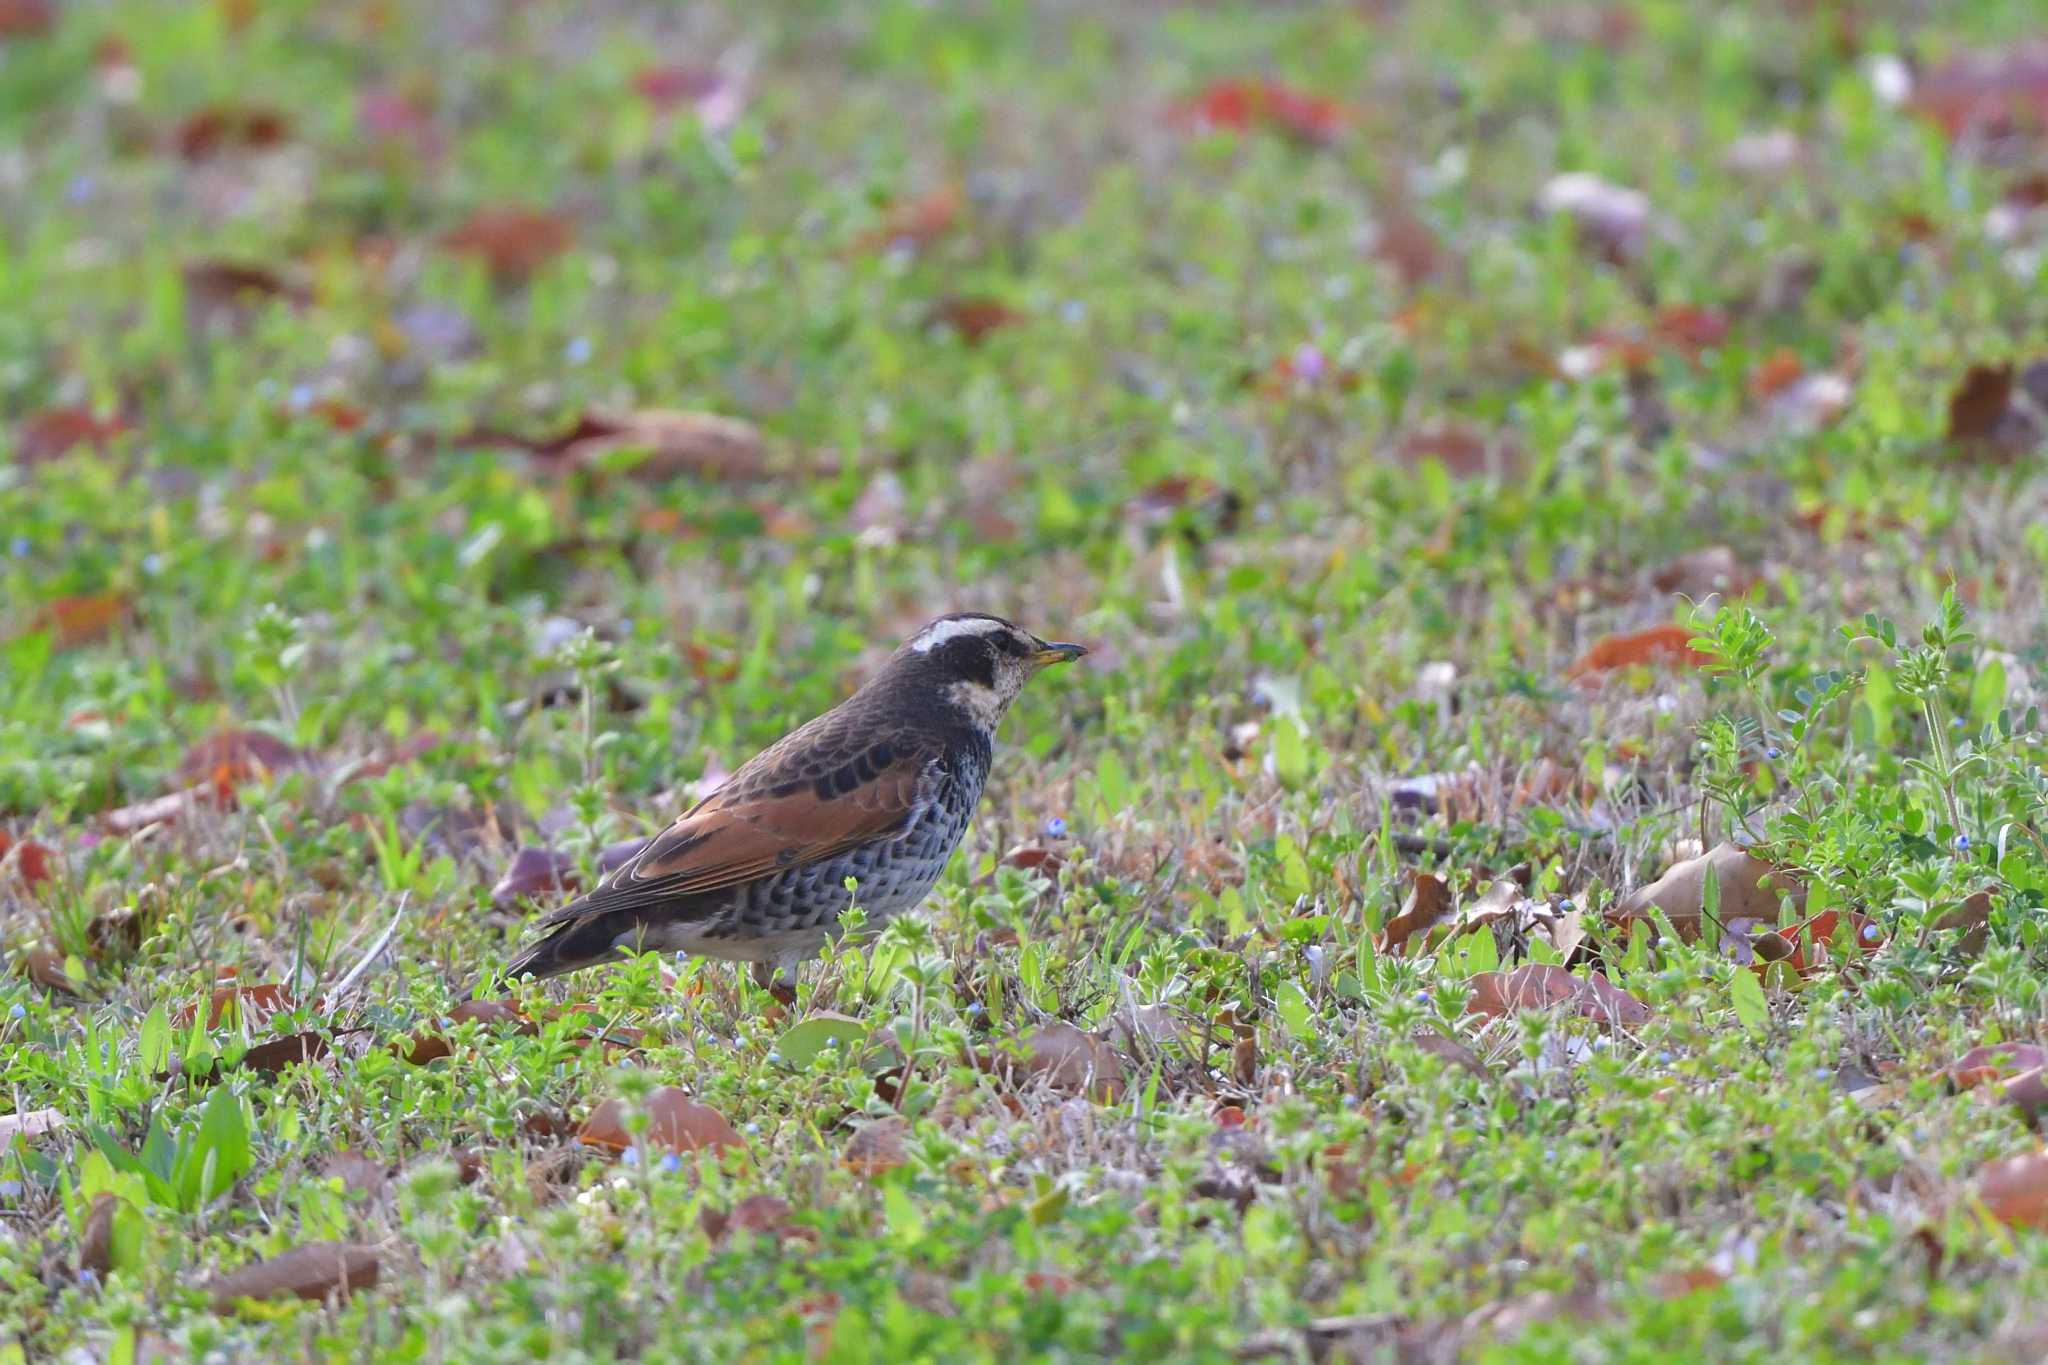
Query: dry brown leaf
<point x="96" y="1246"/>
<point x="250" y="1005"/>
<point x="28" y="859"/>
<point x="2015" y="1190"/>
<point x="1429" y="900"/>
<point x="877" y="1148"/>
<point x="313" y="1271"/>
<point x="676" y="443"/>
<point x="917" y="223"/>
<point x="1977" y="409"/>
<point x="974" y="317"/>
<point x="1973" y="919"/>
<point x="1075" y="1063"/>
<point x="513" y="242"/>
<point x="45" y="967"/>
<point x="1452" y="1051"/>
<point x="1541" y="986"/>
<point x="1749" y="887"/>
<point x="676" y="1123"/>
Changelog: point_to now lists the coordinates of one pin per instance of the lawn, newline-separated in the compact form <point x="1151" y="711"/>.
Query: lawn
<point x="1545" y="860"/>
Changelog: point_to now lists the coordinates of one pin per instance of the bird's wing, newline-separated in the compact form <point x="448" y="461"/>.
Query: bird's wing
<point x="773" y="816"/>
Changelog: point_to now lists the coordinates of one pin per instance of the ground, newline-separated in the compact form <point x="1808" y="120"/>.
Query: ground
<point x="1508" y="461"/>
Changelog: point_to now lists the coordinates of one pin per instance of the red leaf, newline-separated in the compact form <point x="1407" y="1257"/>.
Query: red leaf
<point x="228" y="128"/>
<point x="276" y="1054"/>
<point x="1987" y="94"/>
<point x="974" y="318"/>
<point x="1690" y="328"/>
<point x="1666" y="645"/>
<point x="51" y="433"/>
<point x="29" y="858"/>
<point x="676" y="1123"/>
<point x="1239" y="105"/>
<point x="513" y="242"/>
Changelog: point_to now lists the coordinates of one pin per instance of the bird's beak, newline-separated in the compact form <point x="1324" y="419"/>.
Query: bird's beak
<point x="1057" y="652"/>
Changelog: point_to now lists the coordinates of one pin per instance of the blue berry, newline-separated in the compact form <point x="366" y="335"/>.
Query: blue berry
<point x="1962" y="843"/>
<point x="17" y="1011"/>
<point x="1056" y="828"/>
<point x="631" y="1156"/>
<point x="671" y="1163"/>
<point x="1773" y="752"/>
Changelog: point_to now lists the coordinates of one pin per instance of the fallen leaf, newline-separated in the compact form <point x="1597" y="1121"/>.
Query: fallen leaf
<point x="512" y="242"/>
<point x="223" y="128"/>
<point x="357" y="1173"/>
<point x="1990" y="1063"/>
<point x="235" y="757"/>
<point x="1987" y="95"/>
<point x="1776" y="372"/>
<point x="28" y="1124"/>
<point x="717" y="99"/>
<point x="2015" y="1189"/>
<point x="1749" y="889"/>
<point x="83" y="620"/>
<point x="1241" y="105"/>
<point x="29" y="860"/>
<point x="27" y="18"/>
<point x="1614" y="218"/>
<point x="250" y="1005"/>
<point x="763" y="1213"/>
<point x="1405" y="242"/>
<point x="877" y="1148"/>
<point x="224" y="285"/>
<point x="1689" y="328"/>
<point x="974" y="318"/>
<point x="1666" y="645"/>
<point x="676" y="1123"/>
<point x="916" y="223"/>
<point x="96" y="1246"/>
<point x="1464" y="450"/>
<point x="1075" y="1063"/>
<point x="1971" y="921"/>
<point x="1428" y="902"/>
<point x="671" y="443"/>
<point x="46" y="969"/>
<point x="1537" y="985"/>
<point x="276" y="1054"/>
<point x="313" y="1271"/>
<point x="54" y="432"/>
<point x="1453" y="1052"/>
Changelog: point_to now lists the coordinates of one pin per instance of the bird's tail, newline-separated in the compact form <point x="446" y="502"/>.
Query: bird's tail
<point x="580" y="942"/>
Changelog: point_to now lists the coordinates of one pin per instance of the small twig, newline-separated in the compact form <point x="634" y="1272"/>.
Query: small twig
<point x="383" y="941"/>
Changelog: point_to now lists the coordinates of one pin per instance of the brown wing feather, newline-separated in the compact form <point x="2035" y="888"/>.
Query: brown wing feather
<point x="771" y="816"/>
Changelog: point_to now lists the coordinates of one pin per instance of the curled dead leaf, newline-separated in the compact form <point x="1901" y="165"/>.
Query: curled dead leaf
<point x="1535" y="986"/>
<point x="1750" y="889"/>
<point x="1428" y="902"/>
<point x="1991" y="1063"/>
<point x="96" y="1244"/>
<point x="513" y="242"/>
<point x="55" y="432"/>
<point x="81" y="620"/>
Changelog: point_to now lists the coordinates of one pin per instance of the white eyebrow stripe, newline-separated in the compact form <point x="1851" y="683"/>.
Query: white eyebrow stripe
<point x="938" y="632"/>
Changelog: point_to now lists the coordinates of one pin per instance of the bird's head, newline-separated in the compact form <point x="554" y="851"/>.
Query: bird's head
<point x="979" y="663"/>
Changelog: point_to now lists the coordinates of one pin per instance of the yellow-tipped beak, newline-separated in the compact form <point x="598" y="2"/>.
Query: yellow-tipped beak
<point x="1057" y="652"/>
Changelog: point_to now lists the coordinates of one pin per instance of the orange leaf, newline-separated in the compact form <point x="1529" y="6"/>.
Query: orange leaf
<point x="82" y="620"/>
<point x="1667" y="645"/>
<point x="917" y="223"/>
<point x="30" y="859"/>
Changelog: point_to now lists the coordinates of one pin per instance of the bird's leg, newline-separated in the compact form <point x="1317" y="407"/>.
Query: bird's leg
<point x="779" y="980"/>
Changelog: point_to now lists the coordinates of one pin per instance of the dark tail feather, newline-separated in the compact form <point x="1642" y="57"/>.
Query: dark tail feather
<point x="578" y="943"/>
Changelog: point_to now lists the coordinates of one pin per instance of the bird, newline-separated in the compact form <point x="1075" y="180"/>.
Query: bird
<point x="879" y="789"/>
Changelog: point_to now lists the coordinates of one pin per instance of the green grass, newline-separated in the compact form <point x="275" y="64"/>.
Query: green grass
<point x="1201" y="443"/>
